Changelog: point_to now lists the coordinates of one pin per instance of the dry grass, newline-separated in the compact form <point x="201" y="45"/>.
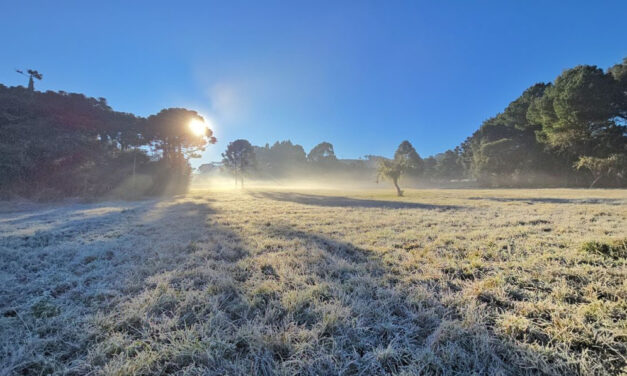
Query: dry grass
<point x="277" y="282"/>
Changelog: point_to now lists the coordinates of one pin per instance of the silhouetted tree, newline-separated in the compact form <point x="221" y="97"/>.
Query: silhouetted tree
<point x="406" y="159"/>
<point x="68" y="144"/>
<point x="410" y="159"/>
<point x="239" y="159"/>
<point x="171" y="133"/>
<point x="323" y="152"/>
<point x="281" y="158"/>
<point x="31" y="74"/>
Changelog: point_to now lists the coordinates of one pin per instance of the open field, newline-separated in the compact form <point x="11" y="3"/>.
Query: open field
<point x="317" y="282"/>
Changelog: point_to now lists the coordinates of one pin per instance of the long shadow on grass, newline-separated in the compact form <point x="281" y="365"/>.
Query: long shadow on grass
<point x="174" y="292"/>
<point x="339" y="201"/>
<point x="64" y="224"/>
<point x="379" y="324"/>
<point x="554" y="200"/>
<point x="60" y="279"/>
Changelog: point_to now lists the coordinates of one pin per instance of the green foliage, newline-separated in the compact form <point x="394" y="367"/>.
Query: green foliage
<point x="613" y="166"/>
<point x="390" y="170"/>
<point x="449" y="165"/>
<point x="444" y="166"/>
<point x="619" y="72"/>
<point x="550" y="129"/>
<point x="616" y="249"/>
<point x="578" y="113"/>
<point x="503" y="148"/>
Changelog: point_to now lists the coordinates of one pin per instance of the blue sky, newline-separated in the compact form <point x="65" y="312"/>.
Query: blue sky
<point x="361" y="75"/>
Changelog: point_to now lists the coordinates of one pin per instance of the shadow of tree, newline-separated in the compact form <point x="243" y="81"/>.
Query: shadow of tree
<point x="339" y="201"/>
<point x="86" y="261"/>
<point x="179" y="288"/>
<point x="553" y="200"/>
<point x="63" y="224"/>
<point x="384" y="326"/>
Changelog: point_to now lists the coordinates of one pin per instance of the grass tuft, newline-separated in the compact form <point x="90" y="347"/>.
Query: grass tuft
<point x="616" y="249"/>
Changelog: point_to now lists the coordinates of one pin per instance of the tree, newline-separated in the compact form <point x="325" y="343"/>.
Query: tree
<point x="407" y="155"/>
<point x="239" y="158"/>
<point x="70" y="144"/>
<point x="406" y="159"/>
<point x="323" y="152"/>
<point x="613" y="166"/>
<point x="515" y="115"/>
<point x="495" y="160"/>
<point x="31" y="74"/>
<point x="171" y="133"/>
<point x="619" y="73"/>
<point x="581" y="114"/>
<point x="448" y="164"/>
<point x="390" y="170"/>
<point x="505" y="147"/>
<point x="499" y="152"/>
<point x="429" y="169"/>
<point x="280" y="159"/>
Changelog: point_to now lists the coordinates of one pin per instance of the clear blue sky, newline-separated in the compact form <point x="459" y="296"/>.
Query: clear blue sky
<point x="361" y="75"/>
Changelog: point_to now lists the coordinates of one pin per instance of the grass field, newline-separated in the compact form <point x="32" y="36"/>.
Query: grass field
<point x="286" y="282"/>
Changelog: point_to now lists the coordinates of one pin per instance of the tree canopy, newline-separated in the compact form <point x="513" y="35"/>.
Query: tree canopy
<point x="70" y="144"/>
<point x="406" y="160"/>
<point x="239" y="159"/>
<point x="321" y="153"/>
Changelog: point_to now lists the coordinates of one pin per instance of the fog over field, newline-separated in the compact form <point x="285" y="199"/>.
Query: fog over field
<point x="321" y="188"/>
<point x="286" y="281"/>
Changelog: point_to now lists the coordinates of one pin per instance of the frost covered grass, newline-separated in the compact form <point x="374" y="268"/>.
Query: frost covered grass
<point x="318" y="282"/>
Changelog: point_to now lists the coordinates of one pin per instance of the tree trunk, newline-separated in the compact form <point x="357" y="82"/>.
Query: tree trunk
<point x="398" y="189"/>
<point x="596" y="179"/>
<point x="134" y="163"/>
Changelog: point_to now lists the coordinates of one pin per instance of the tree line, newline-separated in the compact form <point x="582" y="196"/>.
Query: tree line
<point x="284" y="160"/>
<point x="570" y="132"/>
<point x="56" y="144"/>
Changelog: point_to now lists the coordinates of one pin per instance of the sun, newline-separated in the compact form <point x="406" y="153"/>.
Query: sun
<point x="198" y="127"/>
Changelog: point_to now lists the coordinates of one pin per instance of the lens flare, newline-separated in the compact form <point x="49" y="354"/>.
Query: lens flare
<point x="198" y="127"/>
